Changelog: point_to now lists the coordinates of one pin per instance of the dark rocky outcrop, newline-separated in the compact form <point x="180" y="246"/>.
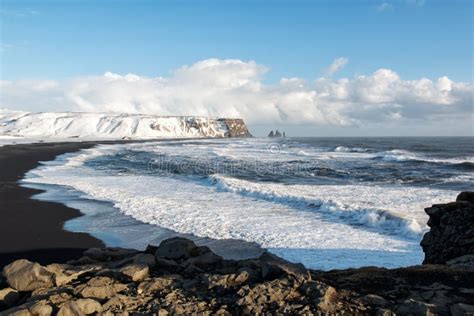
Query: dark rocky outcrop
<point x="236" y="128"/>
<point x="451" y="232"/>
<point x="180" y="278"/>
<point x="276" y="134"/>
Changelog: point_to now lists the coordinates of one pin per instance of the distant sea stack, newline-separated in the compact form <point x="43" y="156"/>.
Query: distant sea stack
<point x="109" y="126"/>
<point x="276" y="134"/>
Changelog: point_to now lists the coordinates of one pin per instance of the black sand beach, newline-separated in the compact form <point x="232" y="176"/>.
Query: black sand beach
<point x="30" y="228"/>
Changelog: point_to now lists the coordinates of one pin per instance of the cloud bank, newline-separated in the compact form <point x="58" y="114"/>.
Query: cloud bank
<point x="235" y="88"/>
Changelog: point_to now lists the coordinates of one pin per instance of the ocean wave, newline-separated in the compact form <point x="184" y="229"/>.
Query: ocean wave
<point x="344" y="149"/>
<point x="398" y="155"/>
<point x="370" y="217"/>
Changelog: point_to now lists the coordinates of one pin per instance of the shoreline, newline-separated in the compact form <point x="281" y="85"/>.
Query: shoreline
<point x="36" y="228"/>
<point x="30" y="228"/>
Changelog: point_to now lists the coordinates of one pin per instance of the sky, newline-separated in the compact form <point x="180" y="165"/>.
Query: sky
<point x="312" y="68"/>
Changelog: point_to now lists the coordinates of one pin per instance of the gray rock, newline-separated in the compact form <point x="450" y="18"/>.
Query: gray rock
<point x="23" y="275"/>
<point x="374" y="300"/>
<point x="273" y="264"/>
<point x="166" y="264"/>
<point x="412" y="307"/>
<point x="461" y="309"/>
<point x="465" y="262"/>
<point x="206" y="260"/>
<point x="175" y="248"/>
<point x="145" y="258"/>
<point x="451" y="232"/>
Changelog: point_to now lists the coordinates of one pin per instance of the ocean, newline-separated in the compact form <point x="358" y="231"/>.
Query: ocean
<point x="325" y="202"/>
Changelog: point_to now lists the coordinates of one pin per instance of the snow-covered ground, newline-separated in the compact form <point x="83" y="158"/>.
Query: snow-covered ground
<point x="26" y="127"/>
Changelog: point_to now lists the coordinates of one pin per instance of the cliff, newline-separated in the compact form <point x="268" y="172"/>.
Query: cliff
<point x="452" y="230"/>
<point x="106" y="126"/>
<point x="236" y="128"/>
<point x="178" y="277"/>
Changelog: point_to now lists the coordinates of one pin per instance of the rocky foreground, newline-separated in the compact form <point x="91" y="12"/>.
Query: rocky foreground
<point x="178" y="277"/>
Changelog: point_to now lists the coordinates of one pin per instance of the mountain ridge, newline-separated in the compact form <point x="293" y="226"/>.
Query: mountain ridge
<point x="108" y="126"/>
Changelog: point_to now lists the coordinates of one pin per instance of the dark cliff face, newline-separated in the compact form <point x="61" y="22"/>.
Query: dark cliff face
<point x="236" y="128"/>
<point x="452" y="230"/>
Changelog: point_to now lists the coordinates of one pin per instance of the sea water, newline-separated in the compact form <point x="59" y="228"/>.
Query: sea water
<point x="325" y="202"/>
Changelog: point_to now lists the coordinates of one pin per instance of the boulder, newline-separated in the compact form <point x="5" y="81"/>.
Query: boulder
<point x="466" y="197"/>
<point x="145" y="258"/>
<point x="157" y="284"/>
<point x="100" y="288"/>
<point x="275" y="266"/>
<point x="451" y="232"/>
<point x="175" y="248"/>
<point x="41" y="308"/>
<point x="166" y="264"/>
<point x="136" y="272"/>
<point x="88" y="306"/>
<point x="64" y="274"/>
<point x="23" y="275"/>
<point x="70" y="308"/>
<point x="206" y="260"/>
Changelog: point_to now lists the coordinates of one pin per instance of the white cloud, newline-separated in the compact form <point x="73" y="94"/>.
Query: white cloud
<point x="234" y="88"/>
<point x="385" y="7"/>
<point x="336" y="65"/>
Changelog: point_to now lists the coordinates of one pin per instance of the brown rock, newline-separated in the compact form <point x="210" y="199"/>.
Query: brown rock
<point x="70" y="308"/>
<point x="24" y="275"/>
<point x="136" y="272"/>
<point x="41" y="308"/>
<point x="99" y="287"/>
<point x="89" y="306"/>
<point x="157" y="284"/>
<point x="8" y="296"/>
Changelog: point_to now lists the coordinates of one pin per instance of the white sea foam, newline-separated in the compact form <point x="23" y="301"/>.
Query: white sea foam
<point x="345" y="149"/>
<point x="405" y="155"/>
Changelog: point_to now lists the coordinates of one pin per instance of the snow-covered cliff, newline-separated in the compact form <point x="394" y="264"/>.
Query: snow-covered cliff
<point x="95" y="126"/>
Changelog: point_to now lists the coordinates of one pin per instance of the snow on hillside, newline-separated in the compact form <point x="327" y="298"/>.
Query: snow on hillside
<point x="101" y="126"/>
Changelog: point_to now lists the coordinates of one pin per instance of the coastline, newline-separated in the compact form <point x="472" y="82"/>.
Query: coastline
<point x="30" y="228"/>
<point x="44" y="229"/>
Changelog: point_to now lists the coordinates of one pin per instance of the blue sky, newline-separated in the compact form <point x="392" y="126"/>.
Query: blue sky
<point x="58" y="41"/>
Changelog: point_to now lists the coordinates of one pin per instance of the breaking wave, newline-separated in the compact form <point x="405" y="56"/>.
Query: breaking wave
<point x="374" y="218"/>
